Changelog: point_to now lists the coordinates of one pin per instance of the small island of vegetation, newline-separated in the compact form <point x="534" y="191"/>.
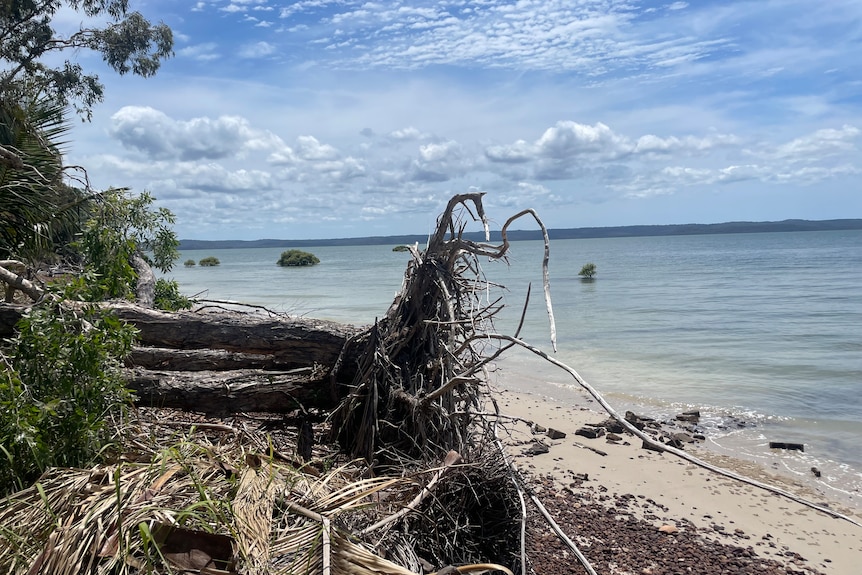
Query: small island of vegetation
<point x="209" y="261"/>
<point x="588" y="271"/>
<point x="401" y="248"/>
<point x="294" y="258"/>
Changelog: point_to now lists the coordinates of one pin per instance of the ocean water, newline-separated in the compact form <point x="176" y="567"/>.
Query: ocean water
<point x="761" y="332"/>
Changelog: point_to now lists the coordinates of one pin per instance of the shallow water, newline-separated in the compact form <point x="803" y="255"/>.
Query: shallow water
<point x="763" y="327"/>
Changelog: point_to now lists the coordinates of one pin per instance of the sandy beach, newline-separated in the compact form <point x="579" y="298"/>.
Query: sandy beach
<point x="674" y="498"/>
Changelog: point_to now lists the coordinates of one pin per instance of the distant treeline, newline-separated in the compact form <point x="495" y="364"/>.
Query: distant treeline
<point x="554" y="234"/>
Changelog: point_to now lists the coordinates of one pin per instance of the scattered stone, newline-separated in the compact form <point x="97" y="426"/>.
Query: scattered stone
<point x="537" y="448"/>
<point x="785" y="445"/>
<point x="690" y="416"/>
<point x="555" y="433"/>
<point x="668" y="529"/>
<point x="590" y="432"/>
<point x="613" y="438"/>
<point x="612" y="425"/>
<point x="652" y="447"/>
<point x="635" y="420"/>
<point x="537" y="429"/>
<point x="675" y="443"/>
<point x="816" y="472"/>
<point x="683" y="437"/>
<point x="699" y="437"/>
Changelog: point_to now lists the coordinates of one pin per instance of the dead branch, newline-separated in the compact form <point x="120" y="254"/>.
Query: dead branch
<point x="17" y="281"/>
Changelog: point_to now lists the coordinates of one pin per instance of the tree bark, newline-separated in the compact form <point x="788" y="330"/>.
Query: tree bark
<point x="292" y="342"/>
<point x="223" y="392"/>
<point x="163" y="358"/>
<point x="145" y="288"/>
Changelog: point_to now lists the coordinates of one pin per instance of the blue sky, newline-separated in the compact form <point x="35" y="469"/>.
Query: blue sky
<point x="319" y="119"/>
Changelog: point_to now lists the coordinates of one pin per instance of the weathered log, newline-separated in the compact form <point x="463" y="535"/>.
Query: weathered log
<point x="15" y="281"/>
<point x="222" y="392"/>
<point x="162" y="358"/>
<point x="293" y="342"/>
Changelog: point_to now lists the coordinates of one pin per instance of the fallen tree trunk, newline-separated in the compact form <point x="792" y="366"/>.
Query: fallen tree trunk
<point x="292" y="342"/>
<point x="161" y="358"/>
<point x="234" y="391"/>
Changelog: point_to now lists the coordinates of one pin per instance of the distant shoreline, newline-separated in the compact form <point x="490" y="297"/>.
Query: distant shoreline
<point x="554" y="234"/>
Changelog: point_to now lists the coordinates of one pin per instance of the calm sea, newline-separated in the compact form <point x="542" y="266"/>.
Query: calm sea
<point x="761" y="332"/>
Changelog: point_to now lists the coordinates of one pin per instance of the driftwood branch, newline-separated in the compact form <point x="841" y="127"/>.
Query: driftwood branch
<point x="16" y="281"/>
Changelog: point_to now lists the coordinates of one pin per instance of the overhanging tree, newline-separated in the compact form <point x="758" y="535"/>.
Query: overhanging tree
<point x="127" y="41"/>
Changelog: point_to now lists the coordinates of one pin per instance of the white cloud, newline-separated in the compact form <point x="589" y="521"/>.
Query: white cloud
<point x="568" y="139"/>
<point x="257" y="50"/>
<point x="202" y="52"/>
<point x="158" y="136"/>
<point x="308" y="148"/>
<point x="823" y="142"/>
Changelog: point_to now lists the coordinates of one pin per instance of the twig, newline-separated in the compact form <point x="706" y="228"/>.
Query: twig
<point x="452" y="458"/>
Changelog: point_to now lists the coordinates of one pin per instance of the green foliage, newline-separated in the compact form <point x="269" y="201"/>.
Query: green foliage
<point x="62" y="382"/>
<point x="401" y="249"/>
<point x="588" y="270"/>
<point x="189" y="263"/>
<point x="168" y="296"/>
<point x="297" y="258"/>
<point x="209" y="261"/>
<point x="30" y="48"/>
<point x="37" y="210"/>
<point x="121" y="226"/>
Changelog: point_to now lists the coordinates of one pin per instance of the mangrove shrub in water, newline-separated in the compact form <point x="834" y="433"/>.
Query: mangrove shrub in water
<point x="209" y="261"/>
<point x="297" y="258"/>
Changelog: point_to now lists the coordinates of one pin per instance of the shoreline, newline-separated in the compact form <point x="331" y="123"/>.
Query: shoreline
<point x="682" y="496"/>
<point x="728" y="436"/>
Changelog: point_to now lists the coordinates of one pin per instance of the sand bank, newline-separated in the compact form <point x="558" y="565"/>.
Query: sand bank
<point x="668" y="491"/>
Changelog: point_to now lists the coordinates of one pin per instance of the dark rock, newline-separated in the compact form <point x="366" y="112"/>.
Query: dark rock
<point x="815" y="471"/>
<point x="590" y="432"/>
<point x="537" y="429"/>
<point x="683" y="437"/>
<point x="636" y="420"/>
<point x="613" y="437"/>
<point x="675" y="443"/>
<point x="785" y="445"/>
<point x="652" y="447"/>
<point x="537" y="448"/>
<point x="555" y="433"/>
<point x="612" y="425"/>
<point x="692" y="416"/>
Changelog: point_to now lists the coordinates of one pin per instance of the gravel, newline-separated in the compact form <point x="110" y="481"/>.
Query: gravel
<point x="616" y="542"/>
